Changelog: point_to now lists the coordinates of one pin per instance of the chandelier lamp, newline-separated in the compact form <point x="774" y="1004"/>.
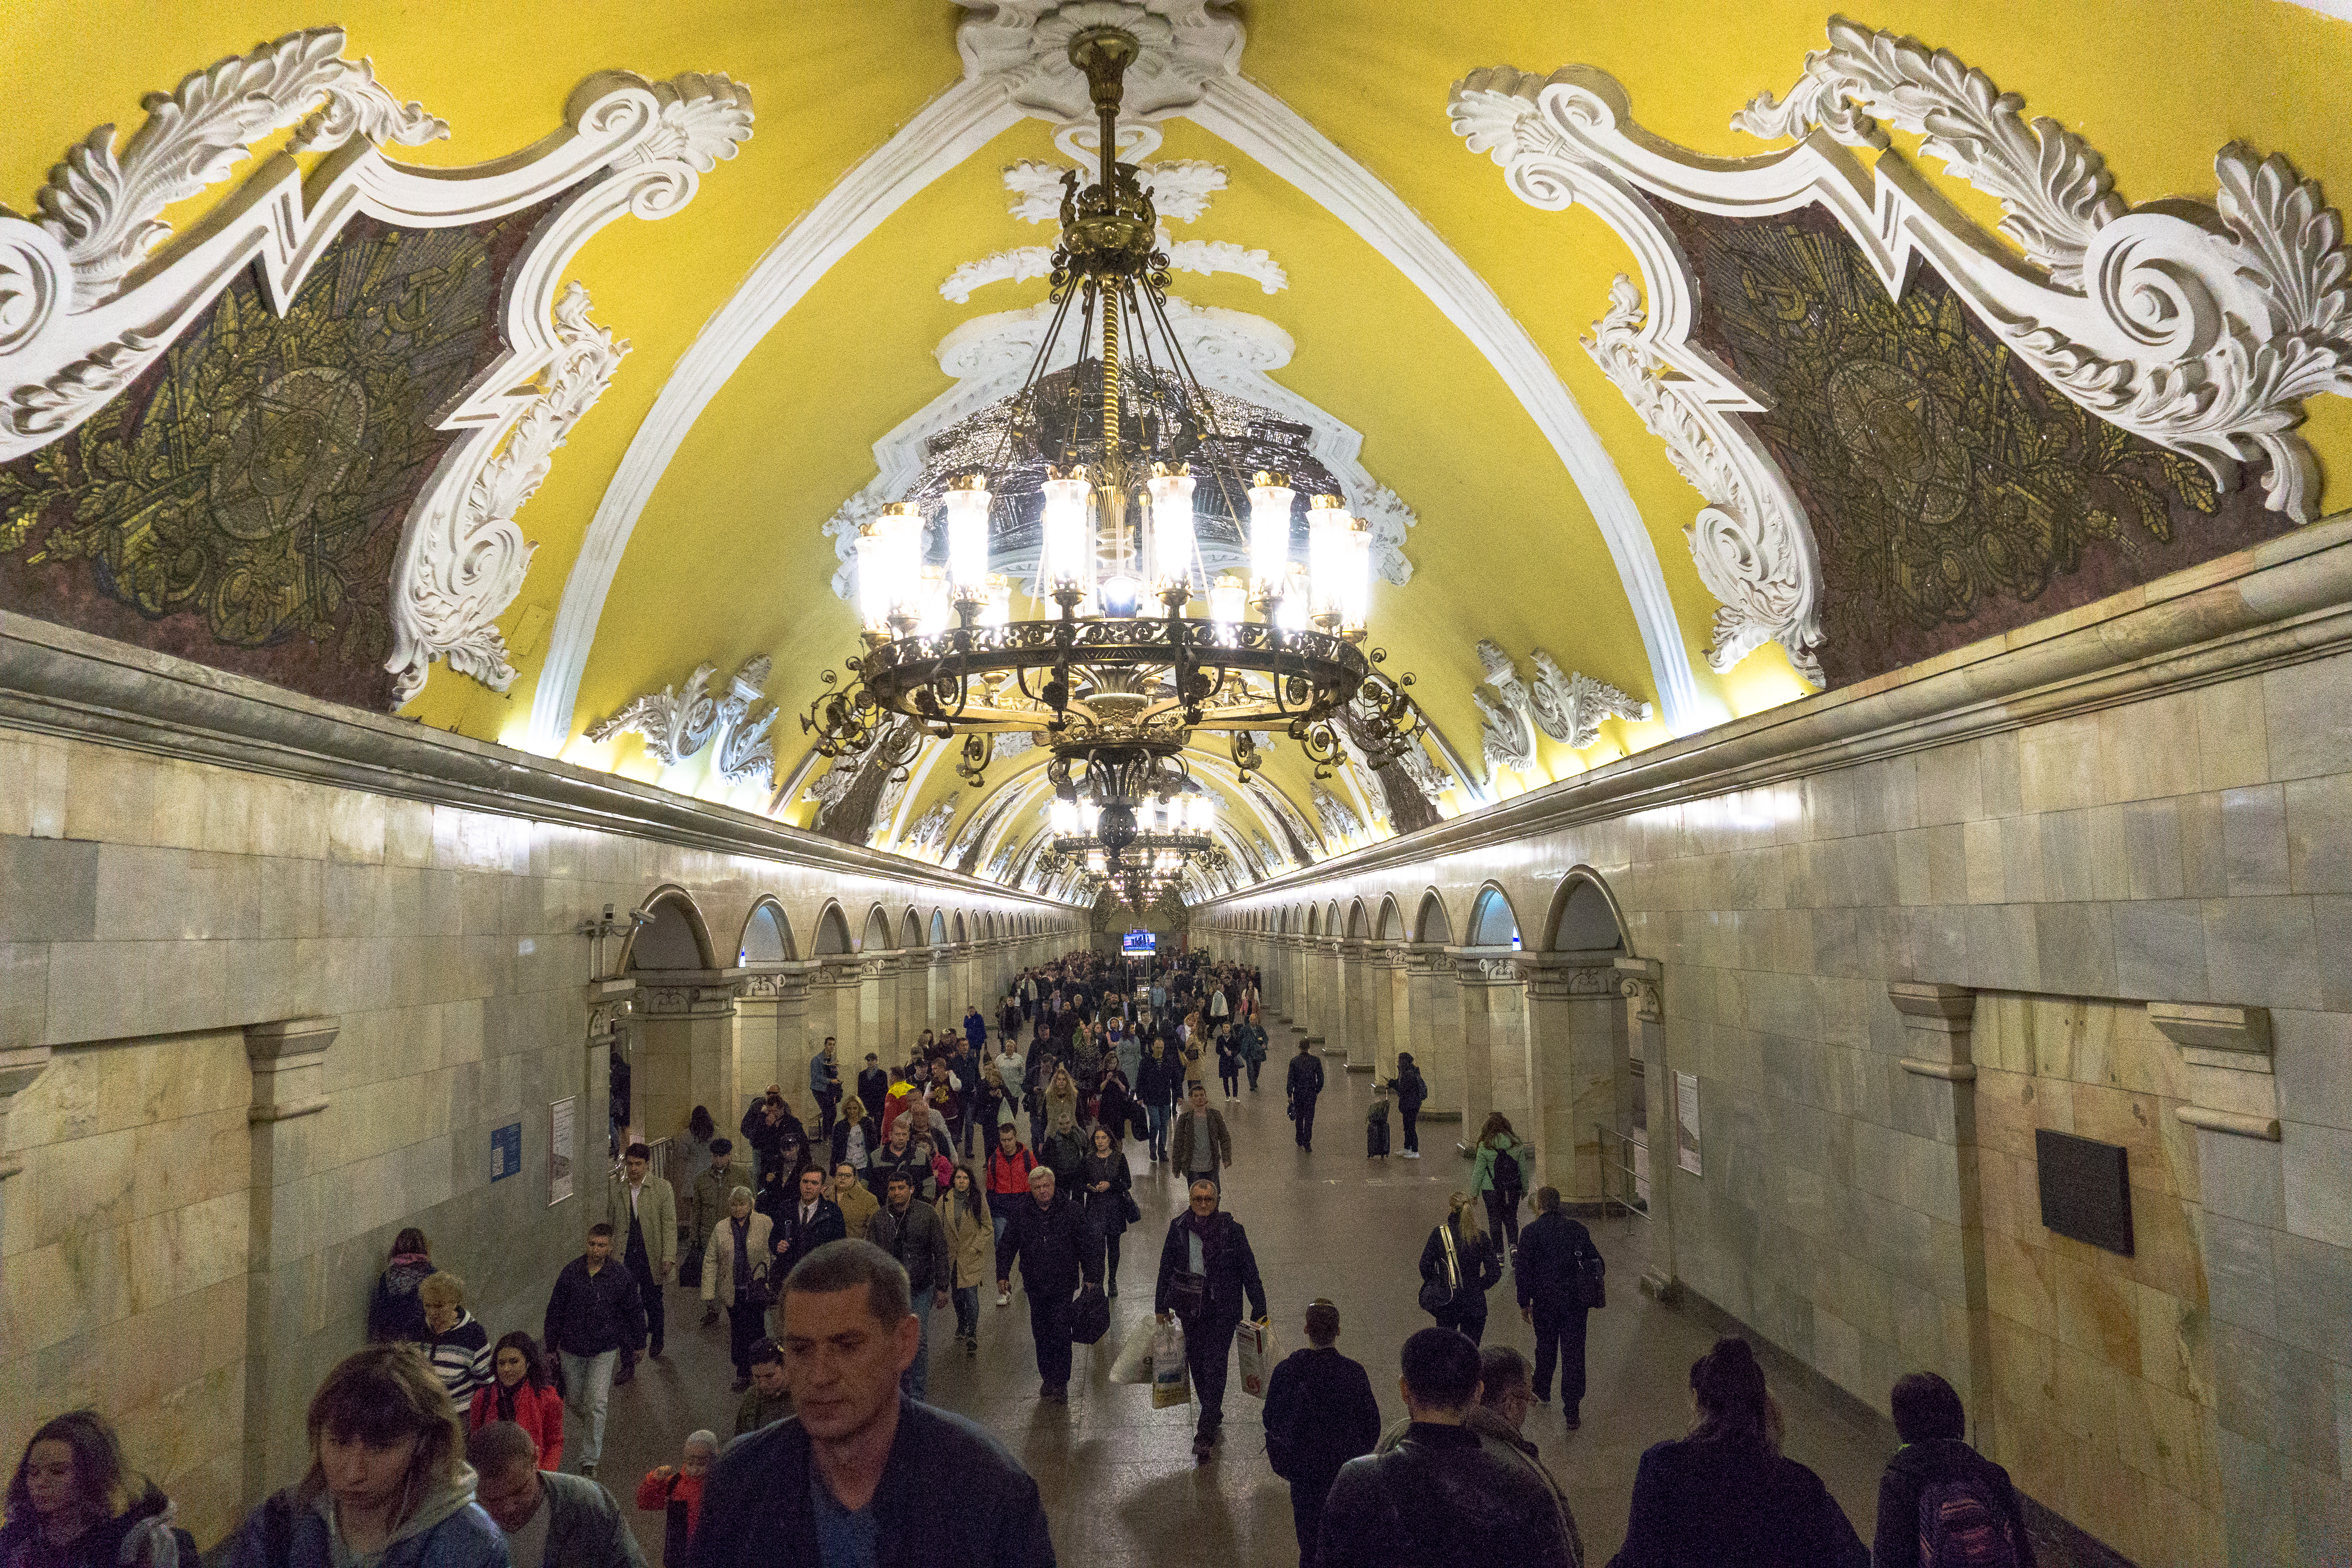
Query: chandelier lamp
<point x="1123" y="648"/>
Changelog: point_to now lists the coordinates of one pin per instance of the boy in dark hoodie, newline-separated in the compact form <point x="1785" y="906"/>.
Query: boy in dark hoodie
<point x="1973" y="1495"/>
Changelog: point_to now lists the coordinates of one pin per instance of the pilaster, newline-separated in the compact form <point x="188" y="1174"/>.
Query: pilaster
<point x="1643" y="983"/>
<point x="1939" y="1024"/>
<point x="685" y="1053"/>
<point x="1576" y="1057"/>
<point x="285" y="1305"/>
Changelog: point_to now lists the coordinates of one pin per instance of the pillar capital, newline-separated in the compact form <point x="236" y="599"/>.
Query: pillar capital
<point x="1475" y="968"/>
<point x="288" y="1058"/>
<point x="1643" y="982"/>
<point x="688" y="993"/>
<point x="1559" y="976"/>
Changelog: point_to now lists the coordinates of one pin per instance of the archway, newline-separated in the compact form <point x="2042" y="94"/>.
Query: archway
<point x="1592" y="1085"/>
<point x="939" y="934"/>
<point x="1392" y="922"/>
<point x="674" y="935"/>
<point x="1493" y="921"/>
<point x="676" y="1056"/>
<point x="1432" y="923"/>
<point x="831" y="931"/>
<point x="910" y="930"/>
<point x="767" y="935"/>
<point x="876" y="937"/>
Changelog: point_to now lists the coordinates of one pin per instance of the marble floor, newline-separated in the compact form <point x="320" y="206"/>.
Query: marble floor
<point x="1120" y="1482"/>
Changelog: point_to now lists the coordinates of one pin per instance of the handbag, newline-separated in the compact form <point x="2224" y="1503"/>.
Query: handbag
<point x="1436" y="1295"/>
<point x="1090" y="1318"/>
<point x="1188" y="1293"/>
<point x="1126" y="1204"/>
<point x="1592" y="1284"/>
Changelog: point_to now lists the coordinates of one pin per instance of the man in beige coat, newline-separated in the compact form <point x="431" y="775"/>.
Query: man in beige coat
<point x="857" y="1204"/>
<point x="644" y="1221"/>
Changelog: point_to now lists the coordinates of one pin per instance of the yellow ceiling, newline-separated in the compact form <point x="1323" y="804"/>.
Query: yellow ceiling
<point x="726" y="560"/>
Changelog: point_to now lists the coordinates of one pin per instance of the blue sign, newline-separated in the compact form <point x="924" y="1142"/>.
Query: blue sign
<point x="506" y="1151"/>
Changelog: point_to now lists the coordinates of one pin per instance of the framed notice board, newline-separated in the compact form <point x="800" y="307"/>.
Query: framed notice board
<point x="506" y="1151"/>
<point x="559" y="1151"/>
<point x="2085" y="1188"/>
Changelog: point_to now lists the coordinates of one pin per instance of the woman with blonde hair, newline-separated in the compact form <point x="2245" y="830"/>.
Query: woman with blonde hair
<point x="75" y="1500"/>
<point x="736" y="1256"/>
<point x="388" y="1484"/>
<point x="1458" y="1267"/>
<point x="854" y="1137"/>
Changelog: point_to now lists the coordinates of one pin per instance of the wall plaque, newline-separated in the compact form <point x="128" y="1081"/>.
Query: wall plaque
<point x="2086" y="1189"/>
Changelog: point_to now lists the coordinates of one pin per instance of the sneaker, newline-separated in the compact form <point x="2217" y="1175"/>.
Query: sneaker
<point x="1112" y="1293"/>
<point x="1573" y="1422"/>
<point x="1004" y="1298"/>
<point x="1412" y="1153"/>
<point x="970" y="1347"/>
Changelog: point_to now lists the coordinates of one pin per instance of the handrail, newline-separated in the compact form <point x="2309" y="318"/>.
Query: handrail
<point x="1632" y="1199"/>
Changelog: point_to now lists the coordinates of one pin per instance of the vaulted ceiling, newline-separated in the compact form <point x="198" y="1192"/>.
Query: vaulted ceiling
<point x="1428" y="307"/>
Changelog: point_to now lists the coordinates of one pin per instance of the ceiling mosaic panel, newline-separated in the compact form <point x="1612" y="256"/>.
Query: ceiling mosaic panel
<point x="1953" y="493"/>
<point x="241" y="502"/>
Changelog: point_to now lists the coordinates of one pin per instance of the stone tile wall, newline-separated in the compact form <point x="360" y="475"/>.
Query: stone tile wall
<point x="150" y="908"/>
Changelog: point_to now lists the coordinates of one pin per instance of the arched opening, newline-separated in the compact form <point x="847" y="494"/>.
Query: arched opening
<point x="910" y="930"/>
<point x="1584" y="917"/>
<point x="831" y="931"/>
<point x="1356" y="919"/>
<point x="959" y="929"/>
<point x="1314" y="922"/>
<point x="1432" y="923"/>
<point x="1493" y="921"/>
<point x="876" y="937"/>
<point x="939" y="929"/>
<point x="1391" y="926"/>
<point x="1331" y="917"/>
<point x="767" y="936"/>
<point x="676" y="936"/>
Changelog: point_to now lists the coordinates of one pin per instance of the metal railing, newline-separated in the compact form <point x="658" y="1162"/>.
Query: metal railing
<point x="658" y="1166"/>
<point x="1631" y="1191"/>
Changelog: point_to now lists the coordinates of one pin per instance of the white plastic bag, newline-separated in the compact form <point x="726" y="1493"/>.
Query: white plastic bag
<point x="1171" y="1381"/>
<point x="1255" y="1342"/>
<point x="1133" y="1362"/>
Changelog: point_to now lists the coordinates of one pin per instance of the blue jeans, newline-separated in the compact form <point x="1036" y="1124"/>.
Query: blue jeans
<point x="915" y="1381"/>
<point x="1158" y="1116"/>
<point x="589" y="1380"/>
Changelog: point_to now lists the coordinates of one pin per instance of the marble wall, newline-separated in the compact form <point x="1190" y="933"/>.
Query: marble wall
<point x="1885" y="968"/>
<point x="197" y="1200"/>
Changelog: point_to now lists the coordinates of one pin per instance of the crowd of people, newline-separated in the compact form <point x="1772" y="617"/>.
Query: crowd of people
<point x="831" y="1243"/>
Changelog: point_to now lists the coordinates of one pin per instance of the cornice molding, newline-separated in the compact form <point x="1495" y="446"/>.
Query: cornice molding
<point x="2284" y="602"/>
<point x="90" y="307"/>
<point x="57" y="681"/>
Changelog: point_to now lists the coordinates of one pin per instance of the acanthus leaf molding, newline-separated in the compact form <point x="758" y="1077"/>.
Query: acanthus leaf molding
<point x="1569" y="708"/>
<point x="87" y="302"/>
<point x="679" y="721"/>
<point x="2202" y="335"/>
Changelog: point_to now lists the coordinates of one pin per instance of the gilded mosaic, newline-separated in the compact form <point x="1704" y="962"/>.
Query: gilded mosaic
<point x="1953" y="493"/>
<point x="241" y="504"/>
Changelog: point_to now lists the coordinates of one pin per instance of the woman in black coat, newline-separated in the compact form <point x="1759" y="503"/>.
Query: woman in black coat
<point x="1103" y="1182"/>
<point x="1475" y="1268"/>
<point x="1411" y="1090"/>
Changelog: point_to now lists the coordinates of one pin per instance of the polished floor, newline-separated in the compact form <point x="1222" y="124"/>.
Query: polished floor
<point x="1120" y="1482"/>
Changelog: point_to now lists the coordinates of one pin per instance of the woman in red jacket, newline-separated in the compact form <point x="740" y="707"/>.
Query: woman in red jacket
<point x="519" y="1392"/>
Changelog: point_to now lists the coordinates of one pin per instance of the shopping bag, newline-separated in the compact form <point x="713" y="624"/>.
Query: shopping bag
<point x="1133" y="1363"/>
<point x="1255" y="1342"/>
<point x="1171" y="1381"/>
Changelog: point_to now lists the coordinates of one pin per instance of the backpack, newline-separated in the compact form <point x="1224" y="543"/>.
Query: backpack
<point x="1963" y="1525"/>
<point x="1509" y="1179"/>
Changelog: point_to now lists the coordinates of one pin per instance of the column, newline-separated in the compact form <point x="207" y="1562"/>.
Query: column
<point x="1939" y="1077"/>
<point x="877" y="1007"/>
<point x="1436" y="1028"/>
<point x="685" y="1053"/>
<point x="1284" y="1008"/>
<point x="1643" y="982"/>
<point x="285" y="1270"/>
<point x="1576" y="1058"/>
<point x="836" y="987"/>
<point x="1493" y="1041"/>
<point x="1384" y="967"/>
<point x="1355" y="1009"/>
<point x="772" y="1044"/>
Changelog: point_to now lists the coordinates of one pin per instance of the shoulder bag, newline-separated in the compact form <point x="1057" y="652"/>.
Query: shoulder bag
<point x="1436" y="1295"/>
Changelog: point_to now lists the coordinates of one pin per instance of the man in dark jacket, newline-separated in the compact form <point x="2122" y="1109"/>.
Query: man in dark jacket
<point x="862" y="1473"/>
<point x="572" y="1520"/>
<point x="1973" y="1494"/>
<point x="593" y="1314"/>
<point x="898" y="1157"/>
<point x="1440" y="1499"/>
<point x="1306" y="1083"/>
<point x="808" y="1222"/>
<point x="1320" y="1414"/>
<point x="912" y="1233"/>
<point x="1059" y="1252"/>
<point x="873" y="1089"/>
<point x="1205" y="1267"/>
<point x="1555" y="1257"/>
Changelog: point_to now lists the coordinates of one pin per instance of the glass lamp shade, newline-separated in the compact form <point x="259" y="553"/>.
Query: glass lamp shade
<point x="1228" y="600"/>
<point x="1095" y="862"/>
<point x="1121" y="595"/>
<point x="1269" y="531"/>
<point x="996" y="609"/>
<point x="1354" y="599"/>
<point x="1068" y="549"/>
<point x="1291" y="614"/>
<point x="1326" y="551"/>
<point x="873" y="577"/>
<point x="1200" y="812"/>
<point x="1064" y="814"/>
<point x="1090" y="814"/>
<point x="1171" y="528"/>
<point x="967" y="507"/>
<point x="930" y="606"/>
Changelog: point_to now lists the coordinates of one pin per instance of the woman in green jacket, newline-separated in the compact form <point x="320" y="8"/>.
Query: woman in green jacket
<point x="1504" y="1165"/>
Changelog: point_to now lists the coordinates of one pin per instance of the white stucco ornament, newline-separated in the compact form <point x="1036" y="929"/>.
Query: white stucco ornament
<point x="1024" y="45"/>
<point x="2198" y="329"/>
<point x="96" y="288"/>
<point x="1568" y="707"/>
<point x="679" y="721"/>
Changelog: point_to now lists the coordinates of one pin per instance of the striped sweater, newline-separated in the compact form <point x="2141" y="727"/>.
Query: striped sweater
<point x="460" y="1358"/>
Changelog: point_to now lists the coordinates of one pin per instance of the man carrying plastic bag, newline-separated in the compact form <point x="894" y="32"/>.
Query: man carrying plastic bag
<point x="1171" y="1382"/>
<point x="1205" y="1269"/>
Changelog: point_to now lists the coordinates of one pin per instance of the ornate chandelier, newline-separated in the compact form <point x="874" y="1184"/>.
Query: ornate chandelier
<point x="1116" y="667"/>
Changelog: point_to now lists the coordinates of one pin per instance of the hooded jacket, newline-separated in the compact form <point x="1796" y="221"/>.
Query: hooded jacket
<point x="394" y="1312"/>
<point x="446" y="1530"/>
<point x="141" y="1536"/>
